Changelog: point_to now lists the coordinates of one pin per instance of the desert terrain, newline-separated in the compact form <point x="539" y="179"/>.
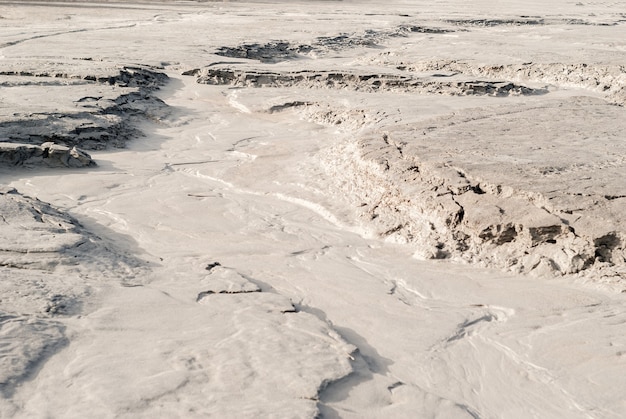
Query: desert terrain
<point x="313" y="209"/>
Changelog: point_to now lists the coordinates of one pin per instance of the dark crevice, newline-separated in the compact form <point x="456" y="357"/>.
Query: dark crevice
<point x="282" y="107"/>
<point x="205" y="294"/>
<point x="212" y="265"/>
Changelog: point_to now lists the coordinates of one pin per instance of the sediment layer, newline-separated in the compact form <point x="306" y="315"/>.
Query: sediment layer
<point x="95" y="112"/>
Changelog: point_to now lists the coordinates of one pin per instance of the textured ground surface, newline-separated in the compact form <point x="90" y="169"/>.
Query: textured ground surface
<point x="335" y="209"/>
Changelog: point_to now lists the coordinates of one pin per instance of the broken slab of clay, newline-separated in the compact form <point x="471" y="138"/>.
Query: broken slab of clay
<point x="48" y="154"/>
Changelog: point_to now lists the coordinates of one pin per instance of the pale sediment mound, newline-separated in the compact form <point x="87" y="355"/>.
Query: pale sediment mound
<point x="47" y="265"/>
<point x="315" y="355"/>
<point x="37" y="235"/>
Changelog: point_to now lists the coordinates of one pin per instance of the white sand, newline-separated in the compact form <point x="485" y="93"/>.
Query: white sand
<point x="258" y="252"/>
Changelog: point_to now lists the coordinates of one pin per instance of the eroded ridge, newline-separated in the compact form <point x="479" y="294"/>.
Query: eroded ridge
<point x="96" y="111"/>
<point x="607" y="79"/>
<point x="498" y="198"/>
<point x="523" y="20"/>
<point x="362" y="82"/>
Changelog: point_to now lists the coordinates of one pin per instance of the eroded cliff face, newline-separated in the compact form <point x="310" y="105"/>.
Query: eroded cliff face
<point x="468" y="189"/>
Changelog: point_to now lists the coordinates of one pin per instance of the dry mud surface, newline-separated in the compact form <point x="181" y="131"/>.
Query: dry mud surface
<point x="313" y="209"/>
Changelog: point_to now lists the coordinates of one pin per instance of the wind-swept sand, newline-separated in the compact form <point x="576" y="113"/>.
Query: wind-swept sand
<point x="312" y="209"/>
